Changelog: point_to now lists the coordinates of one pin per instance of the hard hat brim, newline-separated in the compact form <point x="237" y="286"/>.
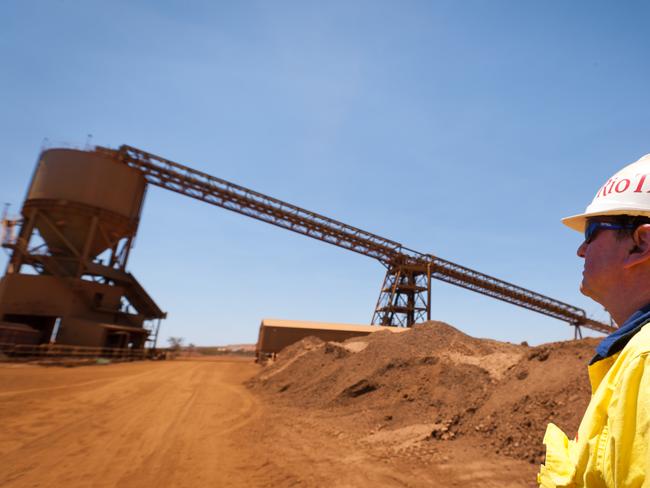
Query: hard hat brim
<point x="576" y="222"/>
<point x="579" y="222"/>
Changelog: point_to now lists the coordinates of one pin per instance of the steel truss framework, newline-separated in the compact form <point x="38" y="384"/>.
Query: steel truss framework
<point x="405" y="297"/>
<point x="76" y="263"/>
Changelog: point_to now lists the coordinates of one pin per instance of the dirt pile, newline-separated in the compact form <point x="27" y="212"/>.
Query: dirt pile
<point x="498" y="395"/>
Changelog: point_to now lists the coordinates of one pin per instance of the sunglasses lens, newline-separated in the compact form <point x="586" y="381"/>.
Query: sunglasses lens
<point x="590" y="230"/>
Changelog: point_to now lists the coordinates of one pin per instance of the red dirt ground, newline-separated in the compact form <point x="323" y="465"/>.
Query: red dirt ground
<point x="452" y="392"/>
<point x="428" y="407"/>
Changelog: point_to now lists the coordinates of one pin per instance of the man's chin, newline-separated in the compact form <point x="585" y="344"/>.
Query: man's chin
<point x="588" y="292"/>
<point x="584" y="289"/>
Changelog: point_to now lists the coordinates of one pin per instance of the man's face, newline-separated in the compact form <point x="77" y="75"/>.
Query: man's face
<point x="604" y="256"/>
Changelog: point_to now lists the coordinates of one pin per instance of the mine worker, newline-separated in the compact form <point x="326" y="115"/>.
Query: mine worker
<point x="612" y="446"/>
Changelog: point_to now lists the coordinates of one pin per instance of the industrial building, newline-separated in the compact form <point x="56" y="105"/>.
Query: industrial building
<point x="276" y="334"/>
<point x="67" y="275"/>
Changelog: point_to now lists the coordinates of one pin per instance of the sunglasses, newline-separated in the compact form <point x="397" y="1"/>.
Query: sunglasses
<point x="593" y="227"/>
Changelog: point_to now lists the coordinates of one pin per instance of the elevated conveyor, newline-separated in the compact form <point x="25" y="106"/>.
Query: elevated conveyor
<point x="405" y="297"/>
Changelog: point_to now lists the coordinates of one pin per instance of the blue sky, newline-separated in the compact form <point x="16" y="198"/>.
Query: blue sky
<point x="462" y="129"/>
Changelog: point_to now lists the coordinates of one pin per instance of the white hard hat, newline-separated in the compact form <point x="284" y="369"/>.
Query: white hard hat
<point x="625" y="193"/>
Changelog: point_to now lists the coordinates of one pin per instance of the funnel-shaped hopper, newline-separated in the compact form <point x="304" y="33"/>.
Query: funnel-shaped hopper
<point x="85" y="203"/>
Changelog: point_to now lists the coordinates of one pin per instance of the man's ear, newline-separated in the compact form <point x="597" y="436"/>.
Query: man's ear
<point x="640" y="250"/>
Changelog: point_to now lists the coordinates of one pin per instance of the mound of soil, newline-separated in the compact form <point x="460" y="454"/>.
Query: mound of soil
<point x="498" y="395"/>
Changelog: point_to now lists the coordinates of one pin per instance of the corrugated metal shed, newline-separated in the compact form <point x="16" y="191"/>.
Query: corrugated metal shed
<point x="276" y="334"/>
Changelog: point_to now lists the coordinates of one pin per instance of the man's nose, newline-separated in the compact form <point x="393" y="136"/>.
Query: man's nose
<point x="582" y="249"/>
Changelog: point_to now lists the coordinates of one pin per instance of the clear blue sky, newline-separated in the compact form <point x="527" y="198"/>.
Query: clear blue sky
<point x="463" y="129"/>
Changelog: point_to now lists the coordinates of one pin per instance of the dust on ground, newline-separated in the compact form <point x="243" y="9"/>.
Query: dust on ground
<point x="428" y="407"/>
<point x="435" y="393"/>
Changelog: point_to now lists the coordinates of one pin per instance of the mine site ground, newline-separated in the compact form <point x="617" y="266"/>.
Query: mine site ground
<point x="362" y="413"/>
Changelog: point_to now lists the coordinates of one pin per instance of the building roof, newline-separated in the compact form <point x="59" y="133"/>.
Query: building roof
<point x="305" y="324"/>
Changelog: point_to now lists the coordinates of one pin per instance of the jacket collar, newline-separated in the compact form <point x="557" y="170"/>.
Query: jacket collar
<point x="617" y="340"/>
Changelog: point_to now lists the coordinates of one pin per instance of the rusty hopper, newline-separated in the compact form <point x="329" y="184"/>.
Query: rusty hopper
<point x="67" y="271"/>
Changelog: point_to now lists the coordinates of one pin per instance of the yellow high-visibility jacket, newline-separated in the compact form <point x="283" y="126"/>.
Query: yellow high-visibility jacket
<point x="612" y="446"/>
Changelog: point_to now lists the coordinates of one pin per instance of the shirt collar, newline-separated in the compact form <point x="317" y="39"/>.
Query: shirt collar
<point x="617" y="340"/>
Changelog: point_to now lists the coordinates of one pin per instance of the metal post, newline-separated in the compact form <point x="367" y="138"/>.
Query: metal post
<point x="410" y="301"/>
<point x="89" y="240"/>
<point x="428" y="291"/>
<point x="155" y="337"/>
<point x="126" y="250"/>
<point x="22" y="244"/>
<point x="113" y="259"/>
<point x="577" y="333"/>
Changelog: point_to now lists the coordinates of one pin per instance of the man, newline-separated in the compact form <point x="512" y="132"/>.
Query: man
<point x="611" y="448"/>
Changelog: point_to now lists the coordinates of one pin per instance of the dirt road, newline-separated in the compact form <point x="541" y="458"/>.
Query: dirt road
<point x="137" y="424"/>
<point x="193" y="424"/>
